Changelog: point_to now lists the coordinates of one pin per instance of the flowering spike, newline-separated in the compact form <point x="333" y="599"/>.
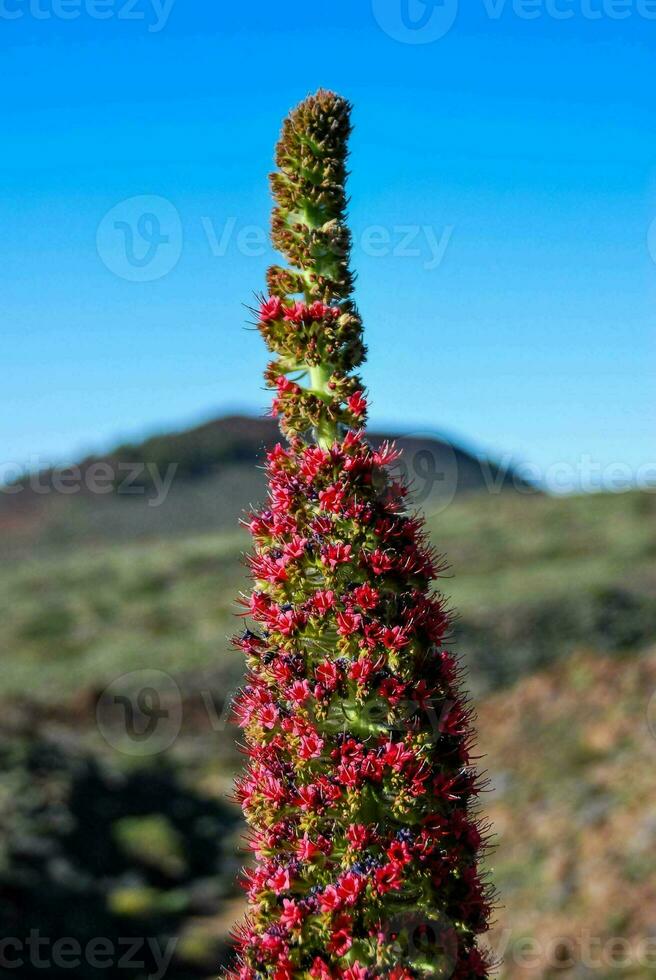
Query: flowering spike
<point x="360" y="790"/>
<point x="310" y="321"/>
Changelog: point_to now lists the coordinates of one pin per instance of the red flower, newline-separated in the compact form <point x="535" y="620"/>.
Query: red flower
<point x="357" y="835"/>
<point x="279" y="881"/>
<point x="345" y="612"/>
<point x="355" y="972"/>
<point x="392" y="690"/>
<point x="330" y="899"/>
<point x="281" y="671"/>
<point x="341" y="937"/>
<point x="332" y="498"/>
<point x="285" y="386"/>
<point x="268" y="716"/>
<point x="313" y="461"/>
<point x="365" y="596"/>
<point x="357" y="404"/>
<point x="327" y="674"/>
<point x="330" y="792"/>
<point x="350" y="887"/>
<point x="386" y="454"/>
<point x="299" y="691"/>
<point x="389" y="877"/>
<point x="321" y="526"/>
<point x="318" y="970"/>
<point x="272" y="943"/>
<point x="394" y="638"/>
<point x="308" y="797"/>
<point x="286" y="621"/>
<point x="249" y="642"/>
<point x="277" y="457"/>
<point x="319" y="312"/>
<point x="295" y="313"/>
<point x="397" y="755"/>
<point x="336" y="554"/>
<point x="292" y="916"/>
<point x="296" y="547"/>
<point x="350" y="749"/>
<point x="399" y="853"/>
<point x="311" y="746"/>
<point x="362" y="670"/>
<point x="372" y="768"/>
<point x="271" y="309"/>
<point x="422" y="694"/>
<point x="348" y="622"/>
<point x="323" y="600"/>
<point x="350" y="775"/>
<point x="306" y="849"/>
<point x="380" y="561"/>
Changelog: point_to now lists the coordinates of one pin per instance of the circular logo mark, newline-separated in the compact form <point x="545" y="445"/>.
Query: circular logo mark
<point x="140" y="239"/>
<point x="431" y="941"/>
<point x="140" y="713"/>
<point x="428" y="466"/>
<point x="415" y="21"/>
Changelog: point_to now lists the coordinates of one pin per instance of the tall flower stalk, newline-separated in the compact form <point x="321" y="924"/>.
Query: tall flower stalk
<point x="359" y="789"/>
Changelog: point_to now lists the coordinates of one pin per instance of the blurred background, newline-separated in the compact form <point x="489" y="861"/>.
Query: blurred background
<point x="503" y="206"/>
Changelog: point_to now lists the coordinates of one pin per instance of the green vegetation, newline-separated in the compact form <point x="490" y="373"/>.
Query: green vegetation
<point x="559" y="590"/>
<point x="530" y="577"/>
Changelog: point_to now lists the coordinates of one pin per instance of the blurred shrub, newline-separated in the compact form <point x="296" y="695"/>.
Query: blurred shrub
<point x="505" y="644"/>
<point x="92" y="853"/>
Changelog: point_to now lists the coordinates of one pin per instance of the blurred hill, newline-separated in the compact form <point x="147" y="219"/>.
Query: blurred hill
<point x="197" y="480"/>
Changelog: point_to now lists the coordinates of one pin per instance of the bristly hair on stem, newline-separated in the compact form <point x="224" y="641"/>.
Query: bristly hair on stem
<point x="360" y="791"/>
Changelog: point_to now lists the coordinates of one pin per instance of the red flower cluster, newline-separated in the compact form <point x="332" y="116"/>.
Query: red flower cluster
<point x="359" y="785"/>
<point x="359" y="788"/>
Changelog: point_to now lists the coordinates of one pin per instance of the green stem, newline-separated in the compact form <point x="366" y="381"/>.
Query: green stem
<point x="326" y="432"/>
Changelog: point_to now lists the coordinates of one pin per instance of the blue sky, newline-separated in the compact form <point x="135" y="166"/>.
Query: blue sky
<point x="503" y="190"/>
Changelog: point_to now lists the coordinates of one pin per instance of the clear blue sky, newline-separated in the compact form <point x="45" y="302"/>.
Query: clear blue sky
<point x="525" y="145"/>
